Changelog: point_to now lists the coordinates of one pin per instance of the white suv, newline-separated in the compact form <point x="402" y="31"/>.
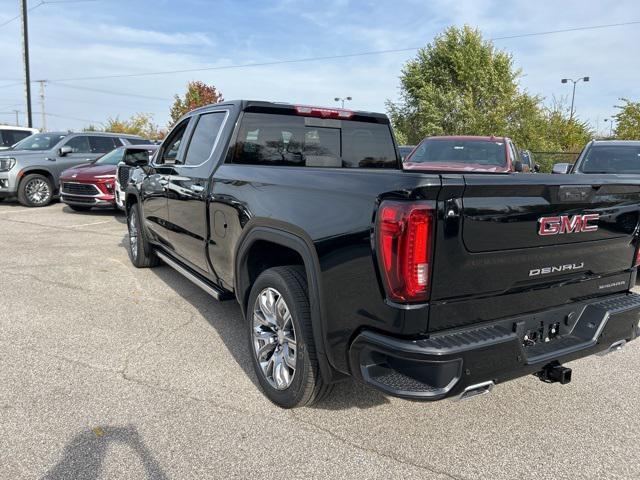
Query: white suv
<point x="10" y="135"/>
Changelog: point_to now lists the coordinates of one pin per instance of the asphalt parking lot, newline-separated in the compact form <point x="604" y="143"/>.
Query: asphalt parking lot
<point x="107" y="371"/>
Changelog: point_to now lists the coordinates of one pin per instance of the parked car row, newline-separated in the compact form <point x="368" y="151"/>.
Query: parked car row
<point x="31" y="169"/>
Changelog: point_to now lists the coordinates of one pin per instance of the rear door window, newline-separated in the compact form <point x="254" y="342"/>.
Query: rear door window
<point x="102" y="144"/>
<point x="204" y="138"/>
<point x="288" y="140"/>
<point x="79" y="144"/>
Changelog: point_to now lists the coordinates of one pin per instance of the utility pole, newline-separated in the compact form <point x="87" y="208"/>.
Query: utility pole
<point x="17" y="117"/>
<point x="44" y="116"/>
<point x="25" y="54"/>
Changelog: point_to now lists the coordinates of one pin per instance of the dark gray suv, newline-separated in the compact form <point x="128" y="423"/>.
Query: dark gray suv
<point x="31" y="169"/>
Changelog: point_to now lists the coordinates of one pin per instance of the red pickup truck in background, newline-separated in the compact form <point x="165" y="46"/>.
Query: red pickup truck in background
<point x="466" y="154"/>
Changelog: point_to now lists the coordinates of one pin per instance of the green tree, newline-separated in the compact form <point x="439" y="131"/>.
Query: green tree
<point x="197" y="95"/>
<point x="628" y="120"/>
<point x="461" y="84"/>
<point x="139" y="124"/>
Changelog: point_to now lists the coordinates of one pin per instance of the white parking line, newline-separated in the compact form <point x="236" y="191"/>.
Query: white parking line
<point x="89" y="224"/>
<point x="23" y="210"/>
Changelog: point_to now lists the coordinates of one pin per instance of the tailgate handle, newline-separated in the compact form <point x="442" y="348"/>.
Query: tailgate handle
<point x="572" y="193"/>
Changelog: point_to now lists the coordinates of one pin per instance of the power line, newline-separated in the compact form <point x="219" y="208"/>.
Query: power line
<point x="107" y="92"/>
<point x="566" y="30"/>
<point x="7" y="22"/>
<point x="45" y="2"/>
<point x="69" y="118"/>
<point x="331" y="57"/>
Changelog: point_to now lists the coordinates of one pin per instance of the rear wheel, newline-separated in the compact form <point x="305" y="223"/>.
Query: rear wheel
<point x="79" y="208"/>
<point x="35" y="190"/>
<point x="140" y="250"/>
<point x="281" y="339"/>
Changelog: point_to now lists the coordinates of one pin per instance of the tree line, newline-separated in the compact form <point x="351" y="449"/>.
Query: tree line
<point x="459" y="84"/>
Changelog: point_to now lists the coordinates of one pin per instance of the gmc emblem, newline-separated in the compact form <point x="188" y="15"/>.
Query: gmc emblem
<point x="567" y="224"/>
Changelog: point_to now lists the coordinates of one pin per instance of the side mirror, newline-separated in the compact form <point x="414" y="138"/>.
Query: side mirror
<point x="561" y="168"/>
<point x="62" y="151"/>
<point x="136" y="159"/>
<point x="517" y="166"/>
<point x="536" y="167"/>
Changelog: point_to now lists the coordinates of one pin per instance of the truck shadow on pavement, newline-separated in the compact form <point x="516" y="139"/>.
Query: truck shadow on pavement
<point x="84" y="455"/>
<point x="226" y="318"/>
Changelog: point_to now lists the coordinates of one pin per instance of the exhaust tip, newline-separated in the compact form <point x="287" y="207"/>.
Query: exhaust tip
<point x="476" y="390"/>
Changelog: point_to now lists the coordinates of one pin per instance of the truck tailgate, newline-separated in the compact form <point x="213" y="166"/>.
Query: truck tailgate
<point x="518" y="243"/>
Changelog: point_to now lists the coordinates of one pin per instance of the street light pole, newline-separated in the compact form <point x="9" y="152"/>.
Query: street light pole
<point x="339" y="99"/>
<point x="573" y="95"/>
<point x="610" y="120"/>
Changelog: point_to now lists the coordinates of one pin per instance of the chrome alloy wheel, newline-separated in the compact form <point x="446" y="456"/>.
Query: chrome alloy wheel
<point x="37" y="191"/>
<point x="133" y="232"/>
<point x="274" y="338"/>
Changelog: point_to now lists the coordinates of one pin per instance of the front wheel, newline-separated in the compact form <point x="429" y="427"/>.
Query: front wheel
<point x="281" y="338"/>
<point x="35" y="190"/>
<point x="140" y="250"/>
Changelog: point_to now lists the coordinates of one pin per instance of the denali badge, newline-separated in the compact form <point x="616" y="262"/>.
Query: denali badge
<point x="555" y="269"/>
<point x="567" y="224"/>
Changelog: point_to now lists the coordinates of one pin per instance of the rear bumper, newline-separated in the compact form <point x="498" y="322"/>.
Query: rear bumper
<point x="446" y="364"/>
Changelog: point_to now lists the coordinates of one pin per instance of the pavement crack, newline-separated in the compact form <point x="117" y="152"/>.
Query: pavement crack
<point x="55" y="283"/>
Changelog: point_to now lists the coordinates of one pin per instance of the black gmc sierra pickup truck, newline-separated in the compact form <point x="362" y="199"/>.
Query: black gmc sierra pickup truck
<point x="424" y="285"/>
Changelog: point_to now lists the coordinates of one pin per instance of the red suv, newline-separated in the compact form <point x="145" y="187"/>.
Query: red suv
<point x="93" y="184"/>
<point x="466" y="154"/>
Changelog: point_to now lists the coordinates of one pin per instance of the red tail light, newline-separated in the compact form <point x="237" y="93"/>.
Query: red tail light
<point x="323" y="112"/>
<point x="405" y="233"/>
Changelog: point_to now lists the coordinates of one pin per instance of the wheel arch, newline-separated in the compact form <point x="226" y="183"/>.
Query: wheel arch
<point x="38" y="171"/>
<point x="298" y="245"/>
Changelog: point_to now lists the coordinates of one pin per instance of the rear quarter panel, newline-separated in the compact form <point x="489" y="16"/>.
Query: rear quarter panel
<point x="335" y="208"/>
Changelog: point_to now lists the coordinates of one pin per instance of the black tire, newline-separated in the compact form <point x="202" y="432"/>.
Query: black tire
<point x="35" y="190"/>
<point x="306" y="386"/>
<point x="79" y="208"/>
<point x="140" y="251"/>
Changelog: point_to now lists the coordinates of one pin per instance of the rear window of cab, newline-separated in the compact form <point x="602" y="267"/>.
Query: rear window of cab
<point x="288" y="140"/>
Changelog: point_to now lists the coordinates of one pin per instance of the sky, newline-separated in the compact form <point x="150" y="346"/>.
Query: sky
<point x="97" y="38"/>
